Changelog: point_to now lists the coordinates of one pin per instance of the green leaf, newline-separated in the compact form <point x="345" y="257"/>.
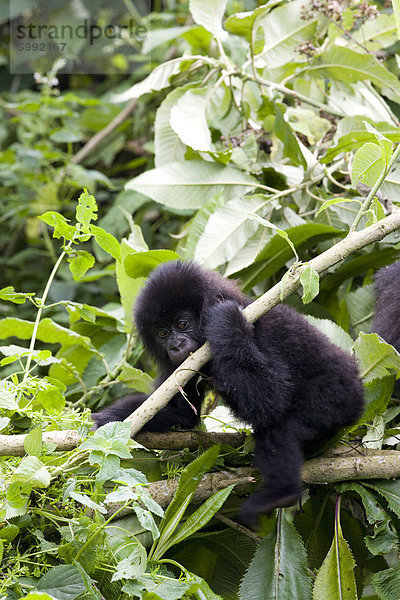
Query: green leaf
<point x="376" y="358"/>
<point x="332" y="201"/>
<point x="279" y="567"/>
<point x="10" y="295"/>
<point x="333" y="331"/>
<point x="61" y="227"/>
<point x="63" y="582"/>
<point x="86" y="210"/>
<point x="141" y="264"/>
<point x="48" y="331"/>
<point x="190" y="184"/>
<point x="128" y="289"/>
<point x="310" y="281"/>
<point x="285" y="133"/>
<point x="80" y="262"/>
<point x="387" y="584"/>
<point x="209" y="14"/>
<point x="243" y="23"/>
<point x="373" y="511"/>
<point x="276" y="252"/>
<point x="189" y="120"/>
<point x="384" y="539"/>
<point x="7" y="400"/>
<point x="106" y="241"/>
<point x="159" y="78"/>
<point x="285" y="29"/>
<point x="377" y="395"/>
<point x="136" y="378"/>
<point x="367" y="165"/>
<point x="335" y="579"/>
<point x="31" y="471"/>
<point x="134" y="565"/>
<point x="188" y="482"/>
<point x="227" y="230"/>
<point x="33" y="442"/>
<point x="201" y="516"/>
<point x="390" y="490"/>
<point x="9" y="533"/>
<point x="396" y="10"/>
<point x="350" y="66"/>
<point x="167" y="144"/>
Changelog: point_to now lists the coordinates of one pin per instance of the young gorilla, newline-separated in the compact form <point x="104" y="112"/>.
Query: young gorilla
<point x="280" y="375"/>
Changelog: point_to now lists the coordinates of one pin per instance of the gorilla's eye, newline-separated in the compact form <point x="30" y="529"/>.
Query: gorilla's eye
<point x="162" y="333"/>
<point x="182" y="324"/>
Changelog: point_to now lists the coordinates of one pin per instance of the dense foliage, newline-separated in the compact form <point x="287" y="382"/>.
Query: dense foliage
<point x="264" y="139"/>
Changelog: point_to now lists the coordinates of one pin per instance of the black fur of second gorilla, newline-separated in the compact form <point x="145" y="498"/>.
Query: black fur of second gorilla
<point x="280" y="375"/>
<point x="386" y="321"/>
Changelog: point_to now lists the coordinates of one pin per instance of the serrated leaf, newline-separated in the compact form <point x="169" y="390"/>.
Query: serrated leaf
<point x="191" y="183"/>
<point x="386" y="583"/>
<point x="333" y="331"/>
<point x="376" y="358"/>
<point x="136" y="378"/>
<point x="228" y="230"/>
<point x="63" y="582"/>
<point x="134" y="565"/>
<point x="367" y="165"/>
<point x="335" y="579"/>
<point x="188" y="119"/>
<point x="279" y="567"/>
<point x="7" y="400"/>
<point x="80" y="262"/>
<point x="333" y="201"/>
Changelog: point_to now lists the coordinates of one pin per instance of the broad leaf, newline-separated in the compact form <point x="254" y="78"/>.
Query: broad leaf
<point x="350" y="66"/>
<point x="191" y="183"/>
<point x="279" y="567"/>
<point x="228" y="230"/>
<point x="167" y="144"/>
<point x="376" y="358"/>
<point x="209" y="13"/>
<point x="368" y="165"/>
<point x="188" y="119"/>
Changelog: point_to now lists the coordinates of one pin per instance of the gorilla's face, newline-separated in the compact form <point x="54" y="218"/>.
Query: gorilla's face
<point x="178" y="337"/>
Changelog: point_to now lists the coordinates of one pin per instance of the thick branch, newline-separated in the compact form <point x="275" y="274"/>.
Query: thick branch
<point x="383" y="464"/>
<point x="13" y="445"/>
<point x="354" y="241"/>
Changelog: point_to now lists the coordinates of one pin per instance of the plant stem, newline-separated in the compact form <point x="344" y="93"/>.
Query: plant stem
<point x="40" y="310"/>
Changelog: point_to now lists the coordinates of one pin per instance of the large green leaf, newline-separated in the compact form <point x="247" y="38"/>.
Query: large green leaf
<point x="189" y="480"/>
<point x="228" y="230"/>
<point x="277" y="252"/>
<point x="387" y="584"/>
<point x="335" y="580"/>
<point x="279" y="567"/>
<point x="188" y="118"/>
<point x="190" y="184"/>
<point x="285" y="28"/>
<point x="389" y="490"/>
<point x="350" y="66"/>
<point x="209" y="13"/>
<point x="167" y="144"/>
<point x="63" y="582"/>
<point x="159" y="78"/>
<point x="376" y="358"/>
<point x="140" y="264"/>
<point x="48" y="331"/>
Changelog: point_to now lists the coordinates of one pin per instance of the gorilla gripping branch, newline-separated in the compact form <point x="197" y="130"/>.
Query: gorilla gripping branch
<point x="352" y="242"/>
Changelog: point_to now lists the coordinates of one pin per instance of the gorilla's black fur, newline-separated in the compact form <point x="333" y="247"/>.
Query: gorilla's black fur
<point x="281" y="375"/>
<point x="386" y="320"/>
